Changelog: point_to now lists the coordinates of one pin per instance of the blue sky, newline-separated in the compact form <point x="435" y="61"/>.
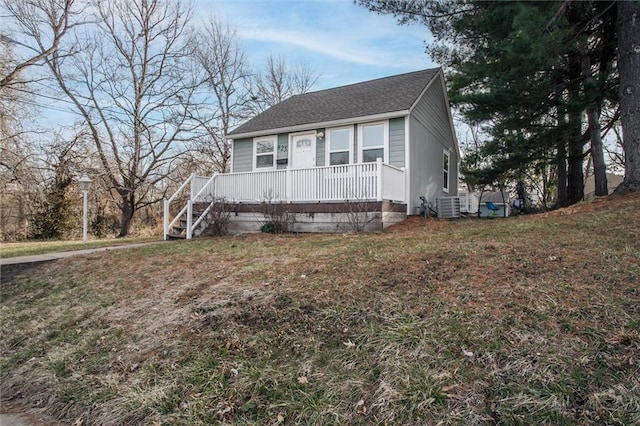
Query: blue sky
<point x="338" y="40"/>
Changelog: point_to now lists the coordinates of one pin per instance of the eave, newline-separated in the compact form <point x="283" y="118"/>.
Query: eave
<point x="319" y="125"/>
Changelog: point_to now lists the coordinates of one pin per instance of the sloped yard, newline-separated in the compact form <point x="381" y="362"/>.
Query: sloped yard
<point x="527" y="320"/>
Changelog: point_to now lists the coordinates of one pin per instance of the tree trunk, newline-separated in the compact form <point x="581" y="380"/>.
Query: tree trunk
<point x="575" y="178"/>
<point x="561" y="148"/>
<point x="597" y="155"/>
<point x="561" y="166"/>
<point x="629" y="69"/>
<point x="126" y="209"/>
<point x="593" y="118"/>
<point x="575" y="160"/>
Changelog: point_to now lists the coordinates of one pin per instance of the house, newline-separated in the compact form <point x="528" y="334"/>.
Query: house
<point x="375" y="146"/>
<point x="613" y="180"/>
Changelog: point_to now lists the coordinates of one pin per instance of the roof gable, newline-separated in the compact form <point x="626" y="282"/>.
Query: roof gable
<point x="384" y="95"/>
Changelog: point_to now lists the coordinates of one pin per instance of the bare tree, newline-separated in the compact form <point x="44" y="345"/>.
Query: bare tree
<point x="19" y="180"/>
<point x="39" y="27"/>
<point x="223" y="65"/>
<point x="132" y="84"/>
<point x="279" y="81"/>
<point x="615" y="151"/>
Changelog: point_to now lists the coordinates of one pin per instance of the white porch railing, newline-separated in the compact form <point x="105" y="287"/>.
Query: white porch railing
<point x="366" y="181"/>
<point x="252" y="186"/>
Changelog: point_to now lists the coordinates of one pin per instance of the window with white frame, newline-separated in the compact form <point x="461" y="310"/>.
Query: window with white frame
<point x="340" y="141"/>
<point x="264" y="152"/>
<point x="372" y="141"/>
<point x="446" y="162"/>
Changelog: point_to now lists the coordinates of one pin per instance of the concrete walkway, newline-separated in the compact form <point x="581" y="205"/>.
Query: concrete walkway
<point x="62" y="254"/>
<point x="12" y="266"/>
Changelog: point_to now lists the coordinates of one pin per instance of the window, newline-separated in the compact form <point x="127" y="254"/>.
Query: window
<point x="340" y="142"/>
<point x="373" y="141"/>
<point x="445" y="168"/>
<point x="264" y="152"/>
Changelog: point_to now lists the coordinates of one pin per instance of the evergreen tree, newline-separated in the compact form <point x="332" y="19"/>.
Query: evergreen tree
<point x="629" y="66"/>
<point x="56" y="216"/>
<point x="528" y="71"/>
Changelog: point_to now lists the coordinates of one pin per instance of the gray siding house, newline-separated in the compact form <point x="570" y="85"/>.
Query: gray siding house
<point x="381" y="144"/>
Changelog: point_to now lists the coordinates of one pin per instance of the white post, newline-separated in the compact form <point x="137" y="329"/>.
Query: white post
<point x="190" y="205"/>
<point x="379" y="179"/>
<point x="288" y="184"/>
<point x="191" y="188"/>
<point x="166" y="218"/>
<point x="84" y="216"/>
<point x="85" y="183"/>
<point x="189" y="218"/>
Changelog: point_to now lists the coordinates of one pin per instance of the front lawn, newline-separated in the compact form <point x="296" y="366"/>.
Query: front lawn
<point x="525" y="320"/>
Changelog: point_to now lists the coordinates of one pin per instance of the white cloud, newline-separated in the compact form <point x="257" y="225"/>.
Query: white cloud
<point x="341" y="50"/>
<point x="342" y="42"/>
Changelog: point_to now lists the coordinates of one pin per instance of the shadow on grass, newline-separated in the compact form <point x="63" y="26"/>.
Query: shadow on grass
<point x="9" y="272"/>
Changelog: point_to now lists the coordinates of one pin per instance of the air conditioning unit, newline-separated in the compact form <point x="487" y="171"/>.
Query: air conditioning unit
<point x="448" y="207"/>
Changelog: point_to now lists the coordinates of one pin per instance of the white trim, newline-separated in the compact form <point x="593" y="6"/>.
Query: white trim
<point x="314" y="139"/>
<point x="407" y="162"/>
<point x="327" y="141"/>
<point x="458" y="176"/>
<point x="448" y="108"/>
<point x="446" y="153"/>
<point x="233" y="144"/>
<point x="272" y="138"/>
<point x="385" y="132"/>
<point x="312" y="126"/>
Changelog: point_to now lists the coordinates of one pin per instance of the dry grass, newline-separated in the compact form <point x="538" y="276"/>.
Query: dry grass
<point x="528" y="320"/>
<point x="27" y="248"/>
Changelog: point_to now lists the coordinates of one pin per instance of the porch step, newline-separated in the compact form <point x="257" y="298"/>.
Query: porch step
<point x="176" y="236"/>
<point x="179" y="231"/>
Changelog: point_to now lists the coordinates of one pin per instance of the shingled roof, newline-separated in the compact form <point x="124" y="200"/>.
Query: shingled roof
<point x="380" y="96"/>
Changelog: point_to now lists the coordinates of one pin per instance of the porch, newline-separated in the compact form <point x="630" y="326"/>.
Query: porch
<point x="363" y="183"/>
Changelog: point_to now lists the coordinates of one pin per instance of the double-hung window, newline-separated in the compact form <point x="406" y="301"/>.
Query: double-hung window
<point x="264" y="152"/>
<point x="373" y="141"/>
<point x="340" y="141"/>
<point x="446" y="161"/>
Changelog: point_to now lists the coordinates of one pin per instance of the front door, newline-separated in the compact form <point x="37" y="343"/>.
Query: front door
<point x="303" y="151"/>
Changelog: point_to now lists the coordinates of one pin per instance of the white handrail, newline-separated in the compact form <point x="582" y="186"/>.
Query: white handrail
<point x="185" y="183"/>
<point x="205" y="186"/>
<point x="167" y="205"/>
<point x="204" y="214"/>
<point x="192" y="226"/>
<point x="175" y="219"/>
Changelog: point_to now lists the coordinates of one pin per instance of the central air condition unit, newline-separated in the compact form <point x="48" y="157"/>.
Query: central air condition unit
<point x="448" y="207"/>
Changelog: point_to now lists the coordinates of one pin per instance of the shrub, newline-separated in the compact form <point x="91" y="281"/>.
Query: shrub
<point x="219" y="217"/>
<point x="279" y="217"/>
